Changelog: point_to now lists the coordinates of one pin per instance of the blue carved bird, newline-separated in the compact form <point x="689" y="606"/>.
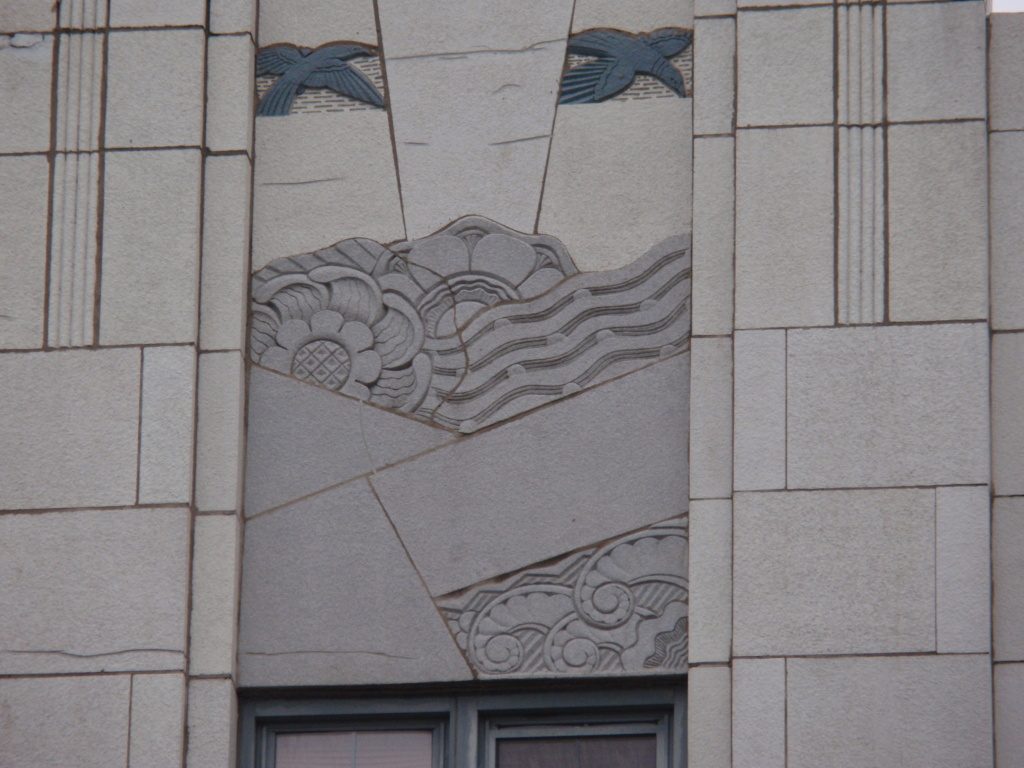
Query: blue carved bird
<point x="301" y="68"/>
<point x="621" y="56"/>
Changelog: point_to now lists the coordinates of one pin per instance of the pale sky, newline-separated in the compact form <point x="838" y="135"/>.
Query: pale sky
<point x="1007" y="5"/>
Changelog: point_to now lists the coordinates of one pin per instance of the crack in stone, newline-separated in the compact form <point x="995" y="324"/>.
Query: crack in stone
<point x="340" y="653"/>
<point x="451" y="54"/>
<point x="94" y="655"/>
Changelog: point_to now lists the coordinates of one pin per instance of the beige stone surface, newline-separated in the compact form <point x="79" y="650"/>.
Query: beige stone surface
<point x="912" y="711"/>
<point x="1006" y="72"/>
<point x="709" y="717"/>
<point x="216" y="560"/>
<point x="710" y="581"/>
<point x="963" y="569"/>
<point x="94" y="590"/>
<point x="212" y="714"/>
<point x="711" y="418"/>
<point x="149" y="274"/>
<point x="596" y="199"/>
<point x="833" y="572"/>
<point x="759" y="410"/>
<point x="155" y="87"/>
<point x="938" y="221"/>
<point x="935" y="61"/>
<point x="27" y="62"/>
<point x="308" y="195"/>
<point x="64" y="722"/>
<point x="714" y="8"/>
<point x="166" y="434"/>
<point x="157" y="13"/>
<point x="714" y="67"/>
<point x="1008" y="413"/>
<point x="784" y="64"/>
<point x="230" y="97"/>
<point x="227" y="16"/>
<point x="219" y="431"/>
<point x="714" y="241"/>
<point x="70" y="424"/>
<point x="27" y="15"/>
<point x="157" y="721"/>
<point x="82" y="14"/>
<point x="1009" y="714"/>
<point x="759" y="713"/>
<point x="24" y="188"/>
<point x="1006" y="227"/>
<point x="1008" y="579"/>
<point x="888" y="406"/>
<point x="784" y="227"/>
<point x="315" y="22"/>
<point x="635" y="16"/>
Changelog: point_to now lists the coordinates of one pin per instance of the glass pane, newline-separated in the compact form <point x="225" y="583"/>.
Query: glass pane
<point x="619" y="752"/>
<point x="394" y="749"/>
<point x="538" y="753"/>
<point x="586" y="752"/>
<point x="314" y="750"/>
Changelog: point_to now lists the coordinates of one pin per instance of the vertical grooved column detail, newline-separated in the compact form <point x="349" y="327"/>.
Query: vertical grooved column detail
<point x="861" y="172"/>
<point x="83" y="14"/>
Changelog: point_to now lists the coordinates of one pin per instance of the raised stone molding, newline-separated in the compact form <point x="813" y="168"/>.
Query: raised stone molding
<point x="83" y="14"/>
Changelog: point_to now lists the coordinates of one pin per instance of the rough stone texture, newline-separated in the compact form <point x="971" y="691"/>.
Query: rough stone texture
<point x="315" y="22"/>
<point x="596" y="200"/>
<point x="936" y="61"/>
<point x="759" y="713"/>
<point x="888" y="406"/>
<point x="24" y="188"/>
<point x="26" y="61"/>
<point x="225" y="266"/>
<point x="219" y="431"/>
<point x="230" y="69"/>
<point x="149" y="281"/>
<point x="308" y="195"/>
<point x="938" y="220"/>
<point x="1009" y="714"/>
<point x="810" y="568"/>
<point x="759" y="450"/>
<point x="963" y="572"/>
<point x="70" y="421"/>
<point x="916" y="712"/>
<point x="714" y="65"/>
<point x="784" y="227"/>
<point x="212" y="713"/>
<point x="633" y="16"/>
<point x="785" y="67"/>
<point x="714" y="241"/>
<point x="64" y="722"/>
<point x="609" y="460"/>
<point x="157" y="13"/>
<point x="1006" y="226"/>
<point x="1008" y="413"/>
<point x="1008" y="579"/>
<point x="709" y="717"/>
<point x="292" y="608"/>
<point x="715" y="8"/>
<point x="168" y="408"/>
<point x="303" y="439"/>
<point x="27" y="15"/>
<point x="711" y="418"/>
<point x="155" y="87"/>
<point x="216" y="562"/>
<point x="95" y="590"/>
<point x="710" y="580"/>
<point x="1006" y="72"/>
<point x="157" y="720"/>
<point x="227" y="16"/>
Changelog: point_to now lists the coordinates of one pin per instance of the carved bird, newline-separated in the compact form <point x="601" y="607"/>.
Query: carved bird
<point x="621" y="56"/>
<point x="301" y="68"/>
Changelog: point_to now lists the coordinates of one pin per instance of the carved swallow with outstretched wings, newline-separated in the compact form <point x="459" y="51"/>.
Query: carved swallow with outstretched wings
<point x="325" y="67"/>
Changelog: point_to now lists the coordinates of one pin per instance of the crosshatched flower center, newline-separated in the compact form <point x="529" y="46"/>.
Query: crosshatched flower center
<point x="324" y="362"/>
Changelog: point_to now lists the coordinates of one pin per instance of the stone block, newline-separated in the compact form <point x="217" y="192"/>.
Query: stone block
<point x="710" y="581"/>
<point x="315" y="22"/>
<point x="714" y="66"/>
<point x="212" y="717"/>
<point x="220" y="431"/>
<point x="1006" y="72"/>
<point x="81" y="14"/>
<point x="1008" y="414"/>
<point x="94" y="591"/>
<point x="963" y="597"/>
<point x="935" y="61"/>
<point x="709" y="717"/>
<point x="308" y="195"/>
<point x="27" y="62"/>
<point x="912" y="711"/>
<point x="166" y="434"/>
<point x="228" y="16"/>
<point x="703" y="8"/>
<point x="595" y="199"/>
<point x="230" y="69"/>
<point x="157" y="13"/>
<point x="1006" y="227"/>
<point x="714" y="234"/>
<point x="888" y="406"/>
<point x="216" y="565"/>
<point x="64" y="722"/>
<point x="800" y="556"/>
<point x="157" y="724"/>
<point x="155" y="87"/>
<point x="1009" y="713"/>
<point x="759" y="410"/>
<point x="784" y="63"/>
<point x="759" y="713"/>
<point x="643" y="15"/>
<point x="292" y="608"/>
<point x="1008" y="579"/>
<point x="149" y="285"/>
<point x="27" y="16"/>
<point x="784" y="227"/>
<point x="223" y="308"/>
<point x="938" y="221"/>
<point x="24" y="189"/>
<point x="70" y="421"/>
<point x="711" y="418"/>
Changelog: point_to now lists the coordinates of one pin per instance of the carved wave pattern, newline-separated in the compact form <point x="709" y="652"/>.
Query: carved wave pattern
<point x="618" y="609"/>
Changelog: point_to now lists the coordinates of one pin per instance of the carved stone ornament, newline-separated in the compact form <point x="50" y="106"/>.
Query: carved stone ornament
<point x="621" y="608"/>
